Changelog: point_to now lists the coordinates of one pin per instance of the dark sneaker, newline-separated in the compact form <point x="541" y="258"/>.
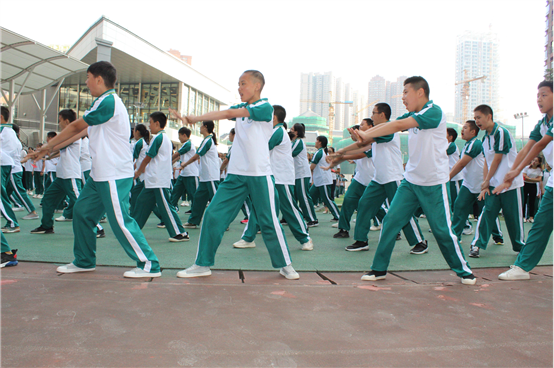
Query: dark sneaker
<point x="9" y="260"/>
<point x="474" y="252"/>
<point x="341" y="234"/>
<point x="334" y="220"/>
<point x="498" y="241"/>
<point x="469" y="280"/>
<point x="42" y="230"/>
<point x="357" y="246"/>
<point x="161" y="225"/>
<point x="374" y="276"/>
<point x="100" y="233"/>
<point x="420" y="248"/>
<point x="284" y="222"/>
<point x="399" y="237"/>
<point x="188" y="212"/>
<point x="313" y="223"/>
<point x="180" y="238"/>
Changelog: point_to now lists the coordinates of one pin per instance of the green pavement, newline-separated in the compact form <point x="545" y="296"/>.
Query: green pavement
<point x="328" y="253"/>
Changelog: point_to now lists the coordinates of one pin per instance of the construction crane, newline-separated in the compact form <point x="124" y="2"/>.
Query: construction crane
<point x="331" y="112"/>
<point x="465" y="92"/>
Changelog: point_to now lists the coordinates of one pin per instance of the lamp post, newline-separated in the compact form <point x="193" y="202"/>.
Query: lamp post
<point x="521" y="115"/>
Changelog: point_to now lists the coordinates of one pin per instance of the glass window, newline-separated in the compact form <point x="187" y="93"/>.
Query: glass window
<point x="185" y="99"/>
<point x="199" y="103"/>
<point x="192" y="102"/>
<point x="206" y="104"/>
<point x="85" y="99"/>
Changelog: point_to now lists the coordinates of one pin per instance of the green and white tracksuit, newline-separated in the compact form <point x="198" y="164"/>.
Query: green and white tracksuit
<point x="539" y="235"/>
<point x="323" y="179"/>
<point x="471" y="187"/>
<point x="302" y="175"/>
<point x="209" y="179"/>
<point x="425" y="184"/>
<point x="510" y="200"/>
<point x="387" y="160"/>
<point x="108" y="187"/>
<point x="282" y="166"/>
<point x="456" y="182"/>
<point x="38" y="177"/>
<point x="187" y="182"/>
<point x="10" y="146"/>
<point x="157" y="184"/>
<point x="249" y="174"/>
<point x="15" y="188"/>
<point x="139" y="153"/>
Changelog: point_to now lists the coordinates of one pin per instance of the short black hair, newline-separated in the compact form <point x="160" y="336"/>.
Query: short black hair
<point x="473" y="126"/>
<point x="15" y="128"/>
<point x="5" y="113"/>
<point x="106" y="70"/>
<point x="51" y="134"/>
<point x="384" y="108"/>
<point x="418" y="82"/>
<point x="159" y="117"/>
<point x="280" y="112"/>
<point x="68" y="114"/>
<point x="545" y="83"/>
<point x="300" y="130"/>
<point x="368" y="121"/>
<point x="257" y="75"/>
<point x="452" y="132"/>
<point x="323" y="140"/>
<point x="355" y="127"/>
<point x="291" y="135"/>
<point x="232" y="131"/>
<point x="484" y="109"/>
<point x="185" y="131"/>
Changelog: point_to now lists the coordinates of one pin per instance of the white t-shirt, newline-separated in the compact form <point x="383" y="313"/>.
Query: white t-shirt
<point x="50" y="165"/>
<point x="532" y="173"/>
<point x="365" y="170"/>
<point x="473" y="171"/>
<point x="250" y="147"/>
<point x="69" y="166"/>
<point x="387" y="159"/>
<point x="109" y="130"/>
<point x="544" y="127"/>
<point x="427" y="144"/>
<point x="17" y="168"/>
<point x="85" y="159"/>
<point x="8" y="144"/>
<point x="280" y="153"/>
<point x="187" y="151"/>
<point x="453" y="157"/>
<point x="209" y="160"/>
<point x="301" y="162"/>
<point x="159" y="171"/>
<point x="320" y="176"/>
<point x="139" y="153"/>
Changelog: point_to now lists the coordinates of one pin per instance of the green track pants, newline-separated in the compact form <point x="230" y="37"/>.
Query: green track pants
<point x="7" y="211"/>
<point x="148" y="199"/>
<point x="370" y="205"/>
<point x="15" y="187"/>
<point x="434" y="202"/>
<point x="184" y="185"/>
<point x="5" y="245"/>
<point x="39" y="182"/>
<point x="324" y="194"/>
<point x="111" y="197"/>
<point x="57" y="191"/>
<point x="539" y="235"/>
<point x="204" y="194"/>
<point x="302" y="191"/>
<point x="290" y="212"/>
<point x="225" y="206"/>
<point x="510" y="204"/>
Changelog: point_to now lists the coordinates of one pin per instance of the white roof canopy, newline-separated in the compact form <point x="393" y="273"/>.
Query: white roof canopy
<point x="32" y="66"/>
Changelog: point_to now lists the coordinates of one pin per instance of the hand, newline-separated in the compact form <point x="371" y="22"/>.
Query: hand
<point x="511" y="175"/>
<point x="499" y="189"/>
<point x="137" y="174"/>
<point x="483" y="194"/>
<point x="326" y="168"/>
<point x="485" y="185"/>
<point x="183" y="165"/>
<point x="175" y="114"/>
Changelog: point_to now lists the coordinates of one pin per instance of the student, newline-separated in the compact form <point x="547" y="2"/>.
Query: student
<point x="249" y="173"/>
<point x="15" y="186"/>
<point x="500" y="154"/>
<point x="532" y="176"/>
<point x="140" y="148"/>
<point x="302" y="174"/>
<point x="540" y="139"/>
<point x="187" y="182"/>
<point x="453" y="157"/>
<point x="208" y="175"/>
<point x="282" y="166"/>
<point x="425" y="181"/>
<point x="28" y="176"/>
<point x="50" y="164"/>
<point x="38" y="175"/>
<point x="9" y="143"/>
<point x="470" y="166"/>
<point x="323" y="179"/>
<point x="157" y="170"/>
<point x="110" y="181"/>
<point x="379" y="193"/>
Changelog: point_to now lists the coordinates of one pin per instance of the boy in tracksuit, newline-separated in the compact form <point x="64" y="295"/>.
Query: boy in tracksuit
<point x="249" y="173"/>
<point x="500" y="154"/>
<point x="187" y="182"/>
<point x="157" y="169"/>
<point x="425" y="181"/>
<point x="282" y="166"/>
<point x="9" y="145"/>
<point x="111" y="178"/>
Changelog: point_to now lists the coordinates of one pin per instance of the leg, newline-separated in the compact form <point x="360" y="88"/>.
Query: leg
<point x="7" y="211"/>
<point x="511" y="207"/>
<point x="205" y="192"/>
<point x="135" y="192"/>
<point x="301" y="189"/>
<point x="368" y="207"/>
<point x="178" y="191"/>
<point x="52" y="197"/>
<point x="169" y="215"/>
<point x="462" y="207"/>
<point x="411" y="230"/>
<point x="291" y="213"/>
<point x="486" y="220"/>
<point x="147" y="200"/>
<point x="350" y="204"/>
<point x="325" y="194"/>
<point x="72" y="189"/>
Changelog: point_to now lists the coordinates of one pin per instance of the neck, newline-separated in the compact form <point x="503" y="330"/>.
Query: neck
<point x="490" y="128"/>
<point x="254" y="98"/>
<point x="421" y="104"/>
<point x="206" y="134"/>
<point x="548" y="115"/>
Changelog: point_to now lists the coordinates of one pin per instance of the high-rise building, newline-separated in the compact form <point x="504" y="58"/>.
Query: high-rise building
<point x="548" y="38"/>
<point x="477" y="56"/>
<point x="315" y="92"/>
<point x="381" y="90"/>
<point x="376" y="92"/>
<point x="394" y="97"/>
<point x="348" y="108"/>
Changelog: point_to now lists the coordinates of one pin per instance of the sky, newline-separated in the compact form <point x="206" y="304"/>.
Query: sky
<point x="356" y="40"/>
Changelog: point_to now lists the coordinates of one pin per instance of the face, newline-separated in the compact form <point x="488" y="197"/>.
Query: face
<point x="364" y="126"/>
<point x="231" y="137"/>
<point x="535" y="162"/>
<point x="154" y="126"/>
<point x="248" y="87"/>
<point x="410" y="97"/>
<point x="317" y="144"/>
<point x="483" y="121"/>
<point x="544" y="100"/>
<point x="183" y="138"/>
<point x="63" y="122"/>
<point x="378" y="117"/>
<point x="136" y="134"/>
<point x="93" y="84"/>
<point x="203" y="129"/>
<point x="293" y="132"/>
<point x="467" y="133"/>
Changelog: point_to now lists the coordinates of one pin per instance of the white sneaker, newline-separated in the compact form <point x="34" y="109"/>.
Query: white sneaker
<point x="39" y="196"/>
<point x="63" y="219"/>
<point x="71" y="268"/>
<point x="289" y="273"/>
<point x="58" y="211"/>
<point x="320" y="209"/>
<point x="514" y="273"/>
<point x="187" y="225"/>
<point x="195" y="271"/>
<point x="244" y="244"/>
<point x="136" y="273"/>
<point x="335" y="225"/>
<point x="468" y="230"/>
<point x="309" y="245"/>
<point x="184" y="204"/>
<point x="375" y="228"/>
<point x="31" y="216"/>
<point x="18" y="209"/>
